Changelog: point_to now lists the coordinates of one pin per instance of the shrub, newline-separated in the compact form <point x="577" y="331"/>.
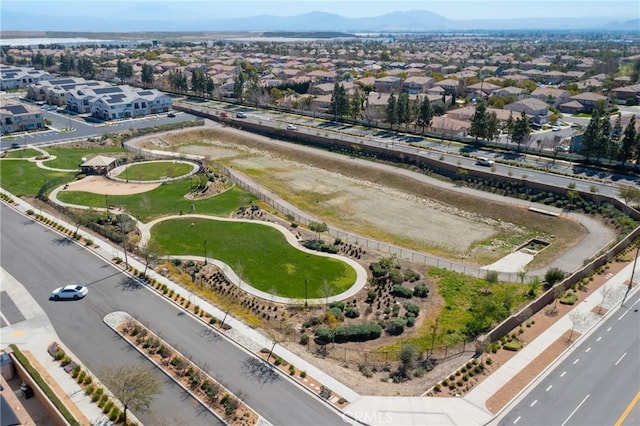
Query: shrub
<point x="88" y="380"/>
<point x="164" y="351"/>
<point x="210" y="389"/>
<point x="337" y="313"/>
<point x="412" y="308"/>
<point x="81" y="376"/>
<point x="339" y="305"/>
<point x="312" y="322"/>
<point x="115" y="414"/>
<point x="178" y="363"/>
<point x="400" y="291"/>
<point x="304" y="339"/>
<point x="352" y="312"/>
<point x="324" y="335"/>
<point x="303" y="374"/>
<point x="230" y="404"/>
<point x="107" y="407"/>
<point x="492" y="277"/>
<point x="411" y="321"/>
<point x="357" y="332"/>
<point x="396" y="326"/>
<point x="421" y="290"/>
<point x="89" y="390"/>
<point x="569" y="299"/>
<point x="411" y="275"/>
<point x="292" y="370"/>
<point x="514" y="345"/>
<point x="76" y="371"/>
<point x="377" y="270"/>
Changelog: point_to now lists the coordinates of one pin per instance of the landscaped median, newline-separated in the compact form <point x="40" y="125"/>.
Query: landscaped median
<point x="200" y="385"/>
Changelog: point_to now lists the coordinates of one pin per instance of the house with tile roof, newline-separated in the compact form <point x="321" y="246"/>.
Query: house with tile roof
<point x="535" y="109"/>
<point x="583" y="102"/>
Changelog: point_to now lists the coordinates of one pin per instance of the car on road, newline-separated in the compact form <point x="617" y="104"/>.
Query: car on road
<point x="556" y="128"/>
<point x="72" y="291"/>
<point x="484" y="161"/>
<point x="15" y="145"/>
<point x="241" y="114"/>
<point x="171" y="115"/>
<point x="291" y="127"/>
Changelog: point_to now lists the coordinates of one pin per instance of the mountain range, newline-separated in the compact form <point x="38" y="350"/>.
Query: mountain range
<point x="141" y="18"/>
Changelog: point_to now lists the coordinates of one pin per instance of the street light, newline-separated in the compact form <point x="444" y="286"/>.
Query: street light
<point x="205" y="251"/>
<point x="305" y="292"/>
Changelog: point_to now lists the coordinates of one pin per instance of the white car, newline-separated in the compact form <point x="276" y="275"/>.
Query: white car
<point x="71" y="291"/>
<point x="484" y="161"/>
<point x="291" y="127"/>
<point x="556" y="129"/>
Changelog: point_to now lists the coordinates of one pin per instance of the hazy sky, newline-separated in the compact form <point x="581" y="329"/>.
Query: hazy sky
<point x="452" y="9"/>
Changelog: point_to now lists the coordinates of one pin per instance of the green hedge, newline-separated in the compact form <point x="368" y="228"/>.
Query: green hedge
<point x="22" y="359"/>
<point x="348" y="333"/>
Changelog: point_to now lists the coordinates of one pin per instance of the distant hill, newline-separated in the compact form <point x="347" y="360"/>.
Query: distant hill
<point x="161" y="17"/>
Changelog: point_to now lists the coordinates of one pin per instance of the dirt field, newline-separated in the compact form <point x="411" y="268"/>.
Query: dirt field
<point x="102" y="185"/>
<point x="356" y="203"/>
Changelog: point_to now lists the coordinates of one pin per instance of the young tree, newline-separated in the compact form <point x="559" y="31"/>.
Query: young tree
<point x="521" y="130"/>
<point x="318" y="228"/>
<point x="133" y="384"/>
<point x="238" y="86"/>
<point x="592" y="136"/>
<point x="356" y="105"/>
<point x="628" y="147"/>
<point x="425" y="113"/>
<point x="403" y="110"/>
<point x="124" y="71"/>
<point x="210" y="86"/>
<point x="147" y="75"/>
<point x="392" y="111"/>
<point x="493" y="126"/>
<point x="339" y="101"/>
<point x="509" y="125"/>
<point x="479" y="121"/>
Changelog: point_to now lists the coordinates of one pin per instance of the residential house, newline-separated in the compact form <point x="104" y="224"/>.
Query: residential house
<point x="450" y="86"/>
<point x="17" y="117"/>
<point x="482" y="89"/>
<point x="553" y="77"/>
<point x="535" y="109"/>
<point x="124" y="102"/>
<point x="415" y="85"/>
<point x="551" y="95"/>
<point x="625" y="93"/>
<point x="510" y="91"/>
<point x="388" y="84"/>
<point x="587" y="100"/>
<point x="18" y="78"/>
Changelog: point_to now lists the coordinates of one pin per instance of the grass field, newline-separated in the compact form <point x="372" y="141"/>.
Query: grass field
<point x="267" y="261"/>
<point x="167" y="199"/>
<point x="71" y="158"/>
<point x="23" y="153"/>
<point x="155" y="170"/>
<point x="22" y="178"/>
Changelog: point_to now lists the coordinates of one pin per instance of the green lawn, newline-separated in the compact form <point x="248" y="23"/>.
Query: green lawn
<point x="155" y="170"/>
<point x="168" y="198"/>
<point x="71" y="158"/>
<point x="23" y="178"/>
<point x="267" y="261"/>
<point x="23" y="153"/>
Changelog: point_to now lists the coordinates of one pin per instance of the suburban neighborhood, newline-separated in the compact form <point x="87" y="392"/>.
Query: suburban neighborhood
<point x="324" y="227"/>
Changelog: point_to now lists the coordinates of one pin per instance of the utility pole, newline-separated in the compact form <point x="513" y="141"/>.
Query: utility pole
<point x="205" y="251"/>
<point x="630" y="286"/>
<point x="305" y="292"/>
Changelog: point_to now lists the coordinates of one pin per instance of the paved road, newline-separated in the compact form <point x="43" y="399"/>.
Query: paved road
<point x="41" y="260"/>
<point x="595" y="383"/>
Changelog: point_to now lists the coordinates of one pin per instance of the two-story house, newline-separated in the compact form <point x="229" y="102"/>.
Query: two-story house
<point x="583" y="102"/>
<point x="16" y="117"/>
<point x="535" y="109"/>
<point x="417" y="84"/>
<point x="551" y="95"/>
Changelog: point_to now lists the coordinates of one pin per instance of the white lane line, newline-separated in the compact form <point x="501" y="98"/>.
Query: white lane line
<point x="517" y="420"/>
<point x="550" y="386"/>
<point x="609" y="329"/>
<point x="563" y="373"/>
<point x="576" y="409"/>
<point x="598" y="339"/>
<point x="588" y="349"/>
<point x="622" y="316"/>
<point x="5" y="319"/>
<point x="576" y="361"/>
<point x="620" y="359"/>
<point x="534" y="403"/>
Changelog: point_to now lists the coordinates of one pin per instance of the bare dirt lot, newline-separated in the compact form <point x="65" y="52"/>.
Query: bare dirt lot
<point x="102" y="185"/>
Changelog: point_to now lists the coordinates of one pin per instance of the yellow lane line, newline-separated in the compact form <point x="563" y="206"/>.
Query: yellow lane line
<point x="626" y="412"/>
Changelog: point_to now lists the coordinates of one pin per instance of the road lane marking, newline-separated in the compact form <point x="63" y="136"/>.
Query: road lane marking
<point x="563" y="373"/>
<point x="550" y="386"/>
<point x="576" y="361"/>
<point x="627" y="410"/>
<point x="620" y="359"/>
<point x="588" y="349"/>
<point x="609" y="329"/>
<point x="517" y="420"/>
<point x="575" y="409"/>
<point x="598" y="339"/>
<point x="534" y="403"/>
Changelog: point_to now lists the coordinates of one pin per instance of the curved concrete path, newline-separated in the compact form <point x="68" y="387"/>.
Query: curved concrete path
<point x="361" y="273"/>
<point x="40" y="163"/>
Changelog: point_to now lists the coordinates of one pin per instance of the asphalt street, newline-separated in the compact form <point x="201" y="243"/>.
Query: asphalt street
<point x="595" y="383"/>
<point x="43" y="260"/>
